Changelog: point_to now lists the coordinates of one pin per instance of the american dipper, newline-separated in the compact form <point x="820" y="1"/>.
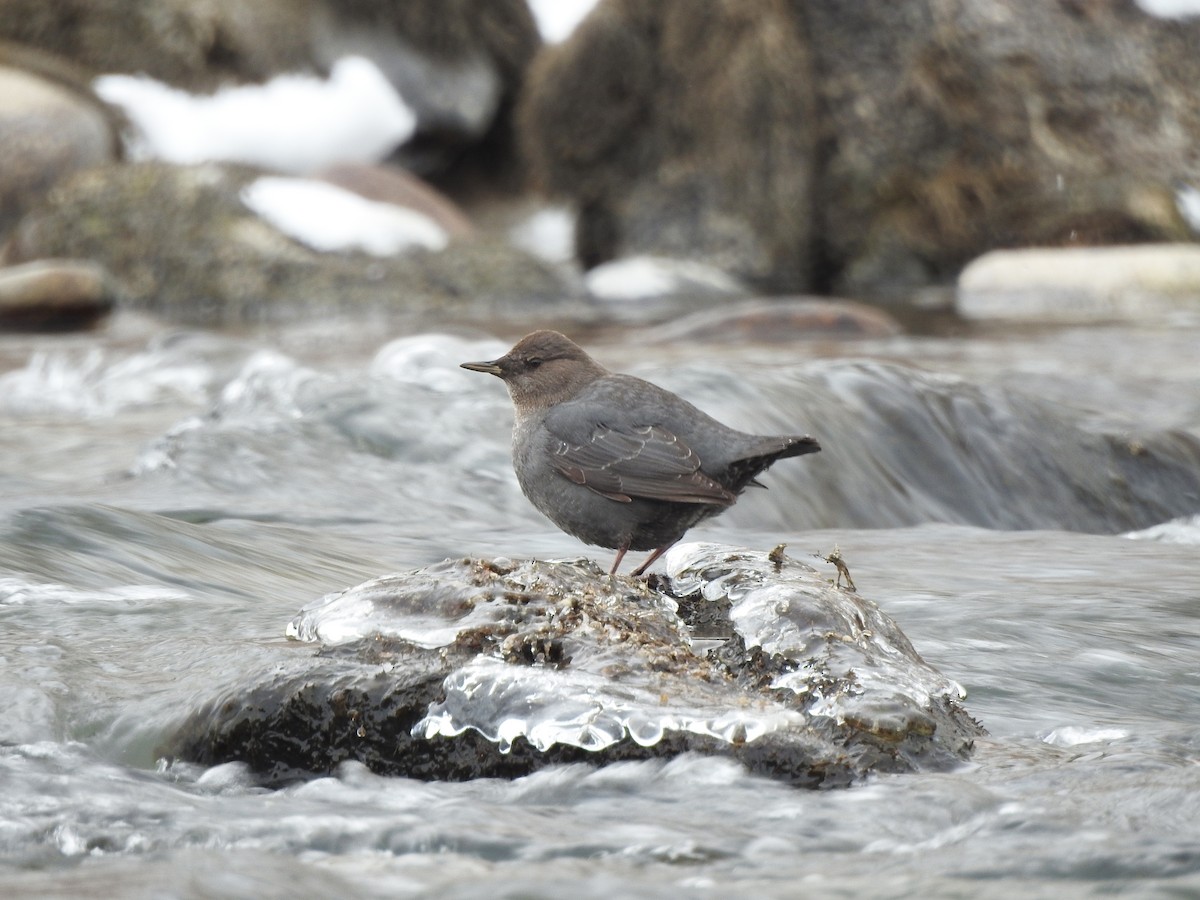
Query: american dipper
<point x="617" y="461"/>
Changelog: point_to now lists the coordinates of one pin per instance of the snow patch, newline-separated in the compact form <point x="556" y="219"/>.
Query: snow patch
<point x="329" y="219"/>
<point x="293" y="123"/>
<point x="557" y="19"/>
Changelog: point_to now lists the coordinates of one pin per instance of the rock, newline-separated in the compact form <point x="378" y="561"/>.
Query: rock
<point x="476" y="668"/>
<point x="191" y="45"/>
<point x="54" y="295"/>
<point x="46" y="132"/>
<point x="180" y="242"/>
<point x="459" y="65"/>
<point x="681" y="130"/>
<point x="778" y="320"/>
<point x="864" y="149"/>
<point x="1082" y="283"/>
<point x="962" y="129"/>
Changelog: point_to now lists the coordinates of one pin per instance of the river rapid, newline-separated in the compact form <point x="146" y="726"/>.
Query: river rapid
<point x="1021" y="500"/>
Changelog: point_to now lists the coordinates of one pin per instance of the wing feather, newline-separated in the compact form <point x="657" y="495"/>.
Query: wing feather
<point x="649" y="462"/>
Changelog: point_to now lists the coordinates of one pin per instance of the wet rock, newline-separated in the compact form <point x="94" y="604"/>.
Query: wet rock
<point x="179" y="241"/>
<point x="864" y="148"/>
<point x="54" y="295"/>
<point x="779" y="320"/>
<point x="46" y="132"/>
<point x="1081" y="284"/>
<point x="475" y="668"/>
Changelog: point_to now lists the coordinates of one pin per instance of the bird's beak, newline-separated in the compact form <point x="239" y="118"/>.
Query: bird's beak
<point x="492" y="368"/>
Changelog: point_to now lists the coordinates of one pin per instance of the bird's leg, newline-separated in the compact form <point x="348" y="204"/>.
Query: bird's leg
<point x="620" y="556"/>
<point x="653" y="556"/>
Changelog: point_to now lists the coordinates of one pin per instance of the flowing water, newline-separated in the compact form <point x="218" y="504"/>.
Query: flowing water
<point x="1022" y="502"/>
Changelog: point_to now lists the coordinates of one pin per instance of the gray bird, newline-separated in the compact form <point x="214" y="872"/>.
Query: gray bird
<point x="617" y="461"/>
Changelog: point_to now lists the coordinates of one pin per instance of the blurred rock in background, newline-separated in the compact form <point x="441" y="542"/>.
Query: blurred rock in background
<point x="865" y="150"/>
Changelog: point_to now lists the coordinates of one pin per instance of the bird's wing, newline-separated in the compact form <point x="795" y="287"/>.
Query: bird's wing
<point x="648" y="462"/>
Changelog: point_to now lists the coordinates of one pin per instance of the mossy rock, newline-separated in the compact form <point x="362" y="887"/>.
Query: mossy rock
<point x="179" y="242"/>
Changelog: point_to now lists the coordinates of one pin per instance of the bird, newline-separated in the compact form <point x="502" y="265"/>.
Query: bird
<point x="616" y="461"/>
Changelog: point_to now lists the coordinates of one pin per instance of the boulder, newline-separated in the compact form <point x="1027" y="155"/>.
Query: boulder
<point x="681" y="129"/>
<point x="864" y="148"/>
<point x="47" y="130"/>
<point x="1081" y="284"/>
<point x="181" y="242"/>
<point x="966" y="127"/>
<point x="191" y="45"/>
<point x="495" y="668"/>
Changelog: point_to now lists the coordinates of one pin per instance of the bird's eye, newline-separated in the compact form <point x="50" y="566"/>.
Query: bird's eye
<point x="533" y="362"/>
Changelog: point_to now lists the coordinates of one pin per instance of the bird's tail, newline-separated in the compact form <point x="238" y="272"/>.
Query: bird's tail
<point x="796" y="446"/>
<point x="744" y="470"/>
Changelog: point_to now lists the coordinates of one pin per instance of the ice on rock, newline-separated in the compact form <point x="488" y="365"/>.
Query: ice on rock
<point x="424" y="612"/>
<point x="475" y="668"/>
<point x="790" y="612"/>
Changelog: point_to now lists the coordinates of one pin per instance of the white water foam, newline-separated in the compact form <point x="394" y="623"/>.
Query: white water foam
<point x="1184" y="530"/>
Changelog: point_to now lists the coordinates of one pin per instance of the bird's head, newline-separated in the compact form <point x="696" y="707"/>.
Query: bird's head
<point x="544" y="368"/>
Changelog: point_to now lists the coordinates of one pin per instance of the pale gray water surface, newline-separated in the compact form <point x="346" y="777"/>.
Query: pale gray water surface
<point x="169" y="501"/>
